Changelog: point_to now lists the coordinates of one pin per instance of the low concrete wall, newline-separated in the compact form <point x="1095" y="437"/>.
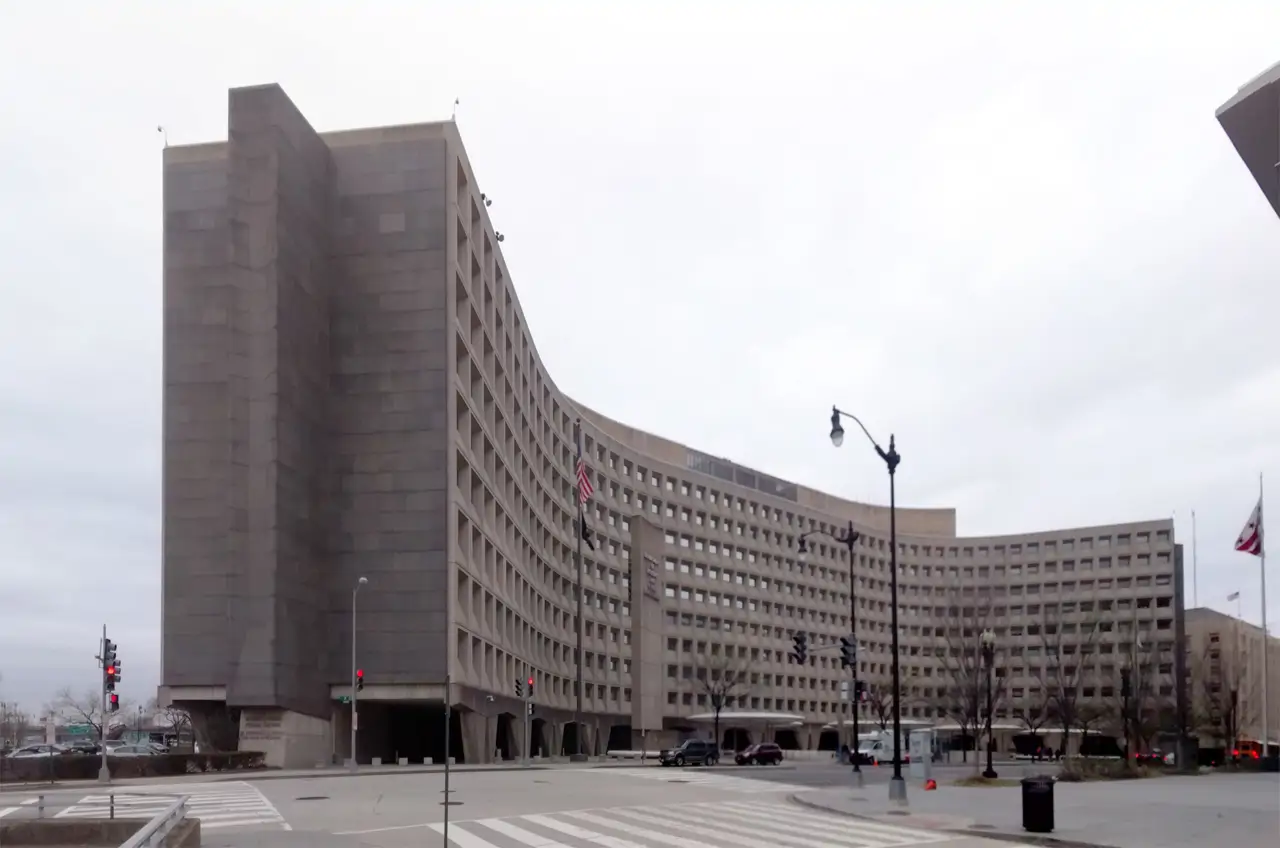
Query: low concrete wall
<point x="91" y="832"/>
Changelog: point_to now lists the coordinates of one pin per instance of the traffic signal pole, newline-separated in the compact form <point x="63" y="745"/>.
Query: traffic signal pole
<point x="104" y="773"/>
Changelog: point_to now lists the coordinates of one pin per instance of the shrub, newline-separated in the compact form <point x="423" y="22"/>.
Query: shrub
<point x="85" y="767"/>
<point x="1076" y="769"/>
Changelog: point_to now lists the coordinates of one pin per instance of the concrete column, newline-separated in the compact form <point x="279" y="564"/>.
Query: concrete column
<point x="557" y="738"/>
<point x="519" y="744"/>
<point x="476" y="744"/>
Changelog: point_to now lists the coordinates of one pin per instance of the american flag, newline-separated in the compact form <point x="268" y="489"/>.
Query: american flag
<point x="1250" y="541"/>
<point x="584" y="482"/>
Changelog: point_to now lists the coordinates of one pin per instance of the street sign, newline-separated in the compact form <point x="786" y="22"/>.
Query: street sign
<point x="79" y="729"/>
<point x="344" y="699"/>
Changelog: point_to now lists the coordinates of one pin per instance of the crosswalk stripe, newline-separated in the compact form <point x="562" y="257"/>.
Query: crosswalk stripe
<point x="519" y="834"/>
<point x="739" y="836"/>
<point x="644" y="833"/>
<point x="216" y="805"/>
<point x="738" y="824"/>
<point x="582" y="833"/>
<point x="763" y="826"/>
<point x="826" y="823"/>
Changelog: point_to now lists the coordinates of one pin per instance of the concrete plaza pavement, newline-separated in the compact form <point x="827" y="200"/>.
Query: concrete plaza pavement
<point x="1239" y="810"/>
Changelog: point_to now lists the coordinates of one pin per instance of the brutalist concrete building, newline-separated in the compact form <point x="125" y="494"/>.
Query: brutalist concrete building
<point x="351" y="391"/>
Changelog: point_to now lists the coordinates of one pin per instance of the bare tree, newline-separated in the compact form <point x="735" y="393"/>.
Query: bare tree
<point x="1089" y="717"/>
<point x="87" y="709"/>
<point x="1032" y="709"/>
<point x="964" y="694"/>
<point x="1147" y="707"/>
<point x="1223" y="698"/>
<point x="724" y="684"/>
<point x="878" y="705"/>
<point x="1065" y="662"/>
<point x="177" y="722"/>
<point x="13" y="725"/>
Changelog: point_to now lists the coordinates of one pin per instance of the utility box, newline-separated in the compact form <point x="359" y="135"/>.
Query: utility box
<point x="920" y="749"/>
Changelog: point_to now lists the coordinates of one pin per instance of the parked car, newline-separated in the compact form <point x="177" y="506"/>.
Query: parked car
<point x="38" y="751"/>
<point x="692" y="752"/>
<point x="131" y="751"/>
<point x="759" y="754"/>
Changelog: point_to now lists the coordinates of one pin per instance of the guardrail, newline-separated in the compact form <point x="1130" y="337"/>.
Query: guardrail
<point x="153" y="833"/>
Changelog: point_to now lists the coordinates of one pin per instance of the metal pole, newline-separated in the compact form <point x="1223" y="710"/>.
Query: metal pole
<point x="578" y="755"/>
<point x="853" y="695"/>
<point x="897" y="786"/>
<point x="1266" y="647"/>
<point x="448" y="731"/>
<point x="355" y="695"/>
<point x="104" y="773"/>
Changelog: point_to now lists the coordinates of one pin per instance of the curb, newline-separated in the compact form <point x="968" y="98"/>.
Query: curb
<point x="995" y="835"/>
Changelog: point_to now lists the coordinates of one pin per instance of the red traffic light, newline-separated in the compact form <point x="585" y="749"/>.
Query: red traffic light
<point x="530" y="681"/>
<point x="111" y="669"/>
<point x="115" y="699"/>
<point x="359" y="673"/>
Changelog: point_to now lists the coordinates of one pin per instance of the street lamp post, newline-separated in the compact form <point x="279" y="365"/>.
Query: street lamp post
<point x="354" y="667"/>
<point x="897" y="786"/>
<point x="849" y="538"/>
<point x="989" y="662"/>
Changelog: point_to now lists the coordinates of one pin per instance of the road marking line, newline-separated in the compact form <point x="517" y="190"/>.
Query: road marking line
<point x="580" y="832"/>
<point x="759" y="826"/>
<point x="4" y="811"/>
<point x="652" y="835"/>
<point x="832" y="824"/>
<point x="461" y="838"/>
<point x="519" y="834"/>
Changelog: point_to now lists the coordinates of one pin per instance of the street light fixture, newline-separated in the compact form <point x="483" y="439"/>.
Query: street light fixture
<point x="849" y="538"/>
<point x="897" y="785"/>
<point x="354" y="670"/>
<point x="989" y="662"/>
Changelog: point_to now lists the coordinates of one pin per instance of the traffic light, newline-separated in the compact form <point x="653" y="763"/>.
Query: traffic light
<point x="529" y="689"/>
<point x="848" y="652"/>
<point x="114" y="702"/>
<point x="110" y="664"/>
<point x="359" y="679"/>
<point x="519" y="688"/>
<point x="860" y="691"/>
<point x="529" y="708"/>
<point x="800" y="650"/>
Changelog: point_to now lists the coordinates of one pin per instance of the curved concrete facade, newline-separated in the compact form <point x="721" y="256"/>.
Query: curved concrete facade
<point x="352" y="389"/>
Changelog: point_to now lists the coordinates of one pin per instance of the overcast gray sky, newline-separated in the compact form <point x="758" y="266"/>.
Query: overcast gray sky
<point x="1018" y="239"/>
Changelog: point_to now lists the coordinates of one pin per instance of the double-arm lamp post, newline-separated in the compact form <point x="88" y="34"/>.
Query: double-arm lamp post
<point x="849" y="538"/>
<point x="989" y="662"/>
<point x="897" y="785"/>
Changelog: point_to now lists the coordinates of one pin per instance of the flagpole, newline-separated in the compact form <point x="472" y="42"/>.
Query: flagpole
<point x="1266" y="647"/>
<point x="1195" y="578"/>
<point x="581" y="532"/>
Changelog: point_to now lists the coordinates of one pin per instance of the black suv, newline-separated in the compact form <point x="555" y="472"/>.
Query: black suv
<point x="761" y="753"/>
<point x="693" y="752"/>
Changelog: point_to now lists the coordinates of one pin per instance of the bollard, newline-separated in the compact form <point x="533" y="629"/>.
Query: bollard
<point x="111" y="805"/>
<point x="39" y="806"/>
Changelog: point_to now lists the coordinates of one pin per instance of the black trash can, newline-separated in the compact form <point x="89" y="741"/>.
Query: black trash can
<point x="1037" y="804"/>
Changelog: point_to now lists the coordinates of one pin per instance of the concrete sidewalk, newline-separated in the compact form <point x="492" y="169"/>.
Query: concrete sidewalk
<point x="1240" y="810"/>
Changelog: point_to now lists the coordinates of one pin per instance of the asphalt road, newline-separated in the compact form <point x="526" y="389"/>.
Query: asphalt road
<point x="724" y="807"/>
